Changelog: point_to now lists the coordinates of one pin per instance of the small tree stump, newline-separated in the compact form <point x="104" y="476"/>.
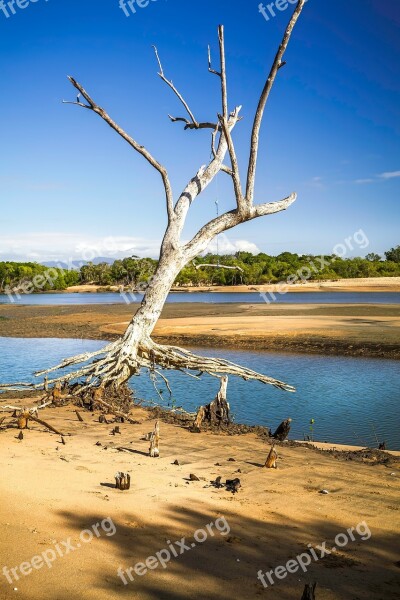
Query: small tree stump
<point x="309" y="591"/>
<point x="122" y="481"/>
<point x="23" y="419"/>
<point x="217" y="412"/>
<point x="154" y="450"/>
<point x="270" y="463"/>
<point x="56" y="394"/>
<point x="283" y="430"/>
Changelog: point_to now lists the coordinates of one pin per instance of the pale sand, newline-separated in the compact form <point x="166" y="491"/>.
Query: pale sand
<point x="371" y="284"/>
<point x="247" y="328"/>
<point x="272" y="518"/>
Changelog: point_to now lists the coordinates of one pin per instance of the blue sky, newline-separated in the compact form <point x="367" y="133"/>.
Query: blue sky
<point x="331" y="130"/>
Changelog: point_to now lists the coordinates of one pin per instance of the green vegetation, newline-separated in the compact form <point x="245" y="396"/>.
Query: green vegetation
<point x="255" y="270"/>
<point x="23" y="276"/>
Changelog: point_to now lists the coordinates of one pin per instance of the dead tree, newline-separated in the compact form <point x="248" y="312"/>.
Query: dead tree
<point x="118" y="361"/>
<point x="217" y="412"/>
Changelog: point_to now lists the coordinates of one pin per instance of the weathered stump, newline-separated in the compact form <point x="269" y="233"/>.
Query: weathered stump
<point x="270" y="463"/>
<point x="309" y="591"/>
<point x="122" y="481"/>
<point x="283" y="430"/>
<point x="56" y="394"/>
<point x="218" y="411"/>
<point x="154" y="450"/>
<point x="23" y="419"/>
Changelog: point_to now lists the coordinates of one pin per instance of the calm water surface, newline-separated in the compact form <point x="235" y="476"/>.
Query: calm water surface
<point x="211" y="297"/>
<point x="349" y="398"/>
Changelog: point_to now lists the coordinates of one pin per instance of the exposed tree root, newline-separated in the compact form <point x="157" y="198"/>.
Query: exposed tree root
<point x="121" y="361"/>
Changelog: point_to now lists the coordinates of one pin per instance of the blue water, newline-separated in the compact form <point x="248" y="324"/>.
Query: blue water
<point x="211" y="298"/>
<point x="347" y="397"/>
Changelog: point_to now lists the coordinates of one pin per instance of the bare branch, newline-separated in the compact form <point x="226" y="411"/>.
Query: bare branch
<point x="229" y="220"/>
<point x="278" y="63"/>
<point x="205" y="265"/>
<point x="205" y="175"/>
<point x="132" y="142"/>
<point x="235" y="173"/>
<point x="190" y="125"/>
<point x="173" y="88"/>
<point x="211" y="70"/>
<point x="224" y="87"/>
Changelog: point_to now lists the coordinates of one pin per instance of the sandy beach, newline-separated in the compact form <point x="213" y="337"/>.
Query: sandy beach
<point x="52" y="492"/>
<point x="370" y="284"/>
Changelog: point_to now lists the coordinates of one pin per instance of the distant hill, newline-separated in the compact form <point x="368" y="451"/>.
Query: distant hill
<point x="77" y="264"/>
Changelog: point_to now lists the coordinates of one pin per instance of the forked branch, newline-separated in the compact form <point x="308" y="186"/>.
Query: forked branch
<point x="255" y="136"/>
<point x="131" y="141"/>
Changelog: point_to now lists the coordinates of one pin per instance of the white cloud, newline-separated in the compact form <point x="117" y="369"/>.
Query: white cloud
<point x="389" y="175"/>
<point x="63" y="247"/>
<point x="363" y="181"/>
<point x="226" y="246"/>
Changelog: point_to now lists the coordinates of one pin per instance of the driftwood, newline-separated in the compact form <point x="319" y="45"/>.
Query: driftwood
<point x="309" y="592"/>
<point x="154" y="450"/>
<point x="270" y="463"/>
<point x="217" y="412"/>
<point x="283" y="430"/>
<point x="122" y="481"/>
<point x="79" y="416"/>
<point x="23" y="415"/>
<point x="97" y="398"/>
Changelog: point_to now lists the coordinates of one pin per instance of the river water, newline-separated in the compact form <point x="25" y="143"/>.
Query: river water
<point x="210" y="297"/>
<point x="352" y="400"/>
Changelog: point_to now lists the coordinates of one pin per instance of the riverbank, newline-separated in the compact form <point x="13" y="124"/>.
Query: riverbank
<point x="64" y="489"/>
<point x="371" y="284"/>
<point x="345" y="329"/>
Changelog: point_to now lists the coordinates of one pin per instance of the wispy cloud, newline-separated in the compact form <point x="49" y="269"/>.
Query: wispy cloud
<point x="378" y="178"/>
<point x="390" y="175"/>
<point x="316" y="183"/>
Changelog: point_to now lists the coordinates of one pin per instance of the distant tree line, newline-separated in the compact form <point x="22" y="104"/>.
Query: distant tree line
<point x="253" y="269"/>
